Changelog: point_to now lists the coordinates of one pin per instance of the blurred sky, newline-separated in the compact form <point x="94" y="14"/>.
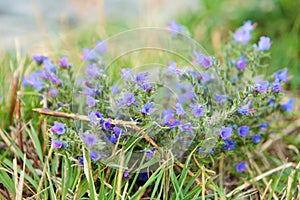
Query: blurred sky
<point x="26" y="20"/>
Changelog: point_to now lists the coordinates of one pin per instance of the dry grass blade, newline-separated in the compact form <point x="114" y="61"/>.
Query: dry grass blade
<point x="21" y="182"/>
<point x="261" y="176"/>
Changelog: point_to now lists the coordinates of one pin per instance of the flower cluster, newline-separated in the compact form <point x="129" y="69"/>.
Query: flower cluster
<point x="225" y="102"/>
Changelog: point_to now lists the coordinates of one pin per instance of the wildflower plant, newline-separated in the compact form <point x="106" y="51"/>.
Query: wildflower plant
<point x="143" y="98"/>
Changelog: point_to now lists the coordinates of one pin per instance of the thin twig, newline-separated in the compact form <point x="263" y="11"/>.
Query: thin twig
<point x="18" y="123"/>
<point x="132" y="125"/>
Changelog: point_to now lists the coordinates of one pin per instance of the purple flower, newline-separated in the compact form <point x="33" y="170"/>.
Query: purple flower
<point x="245" y="110"/>
<point x="256" y="138"/>
<point x="117" y="130"/>
<point x="89" y="55"/>
<point x="55" y="79"/>
<point x="226" y="132"/>
<point x="143" y="176"/>
<point x="126" y="74"/>
<point x="58" y="128"/>
<point x="202" y="59"/>
<point x="39" y="59"/>
<point x="229" y="144"/>
<point x="264" y="43"/>
<point x="168" y="116"/>
<point x="94" y="155"/>
<point x="114" y="89"/>
<point x="276" y="86"/>
<point x="125" y="174"/>
<point x="63" y="62"/>
<point x="33" y="81"/>
<point x="220" y="98"/>
<point x="179" y="110"/>
<point x="243" y="34"/>
<point x="113" y="138"/>
<point x="186" y="127"/>
<point x="94" y="117"/>
<point x="281" y="75"/>
<point x="90" y="101"/>
<point x="80" y="160"/>
<point x="49" y="67"/>
<point x="205" y="78"/>
<point x="129" y="98"/>
<point x="262" y="86"/>
<point x="89" y="139"/>
<point x="240" y="167"/>
<point x="147" y="109"/>
<point x="288" y="106"/>
<point x="264" y="125"/>
<point x="243" y="131"/>
<point x="101" y="47"/>
<point x="57" y="144"/>
<point x="141" y="77"/>
<point x="271" y="102"/>
<point x="197" y="110"/>
<point x="174" y="28"/>
<point x="107" y="125"/>
<point x="149" y="154"/>
<point x="53" y="92"/>
<point x="241" y="63"/>
<point x="92" y="71"/>
<point x="200" y="150"/>
<point x="146" y="86"/>
<point x="89" y="91"/>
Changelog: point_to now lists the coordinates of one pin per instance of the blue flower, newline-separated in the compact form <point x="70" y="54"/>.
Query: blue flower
<point x="226" y="132"/>
<point x="241" y="63"/>
<point x="113" y="138"/>
<point x="57" y="144"/>
<point x="80" y="160"/>
<point x="39" y="59"/>
<point x="243" y="34"/>
<point x="146" y="86"/>
<point x="107" y="125"/>
<point x="143" y="176"/>
<point x="187" y="127"/>
<point x="276" y="86"/>
<point x="129" y="98"/>
<point x="58" y="128"/>
<point x="89" y="55"/>
<point x="256" y="138"/>
<point x="174" y="28"/>
<point x="288" y="106"/>
<point x="49" y="67"/>
<point x="147" y="109"/>
<point x="33" y="81"/>
<point x="168" y="115"/>
<point x="92" y="71"/>
<point x="243" y="131"/>
<point x="140" y="78"/>
<point x="89" y="139"/>
<point x="149" y="154"/>
<point x="281" y="75"/>
<point x="205" y="78"/>
<point x="240" y="167"/>
<point x="229" y="144"/>
<point x="244" y="110"/>
<point x="114" y="89"/>
<point x="126" y="74"/>
<point x="264" y="43"/>
<point x="118" y="131"/>
<point x="264" y="125"/>
<point x="197" y="110"/>
<point x="179" y="110"/>
<point x="95" y="155"/>
<point x="101" y="47"/>
<point x="220" y="98"/>
<point x="262" y="86"/>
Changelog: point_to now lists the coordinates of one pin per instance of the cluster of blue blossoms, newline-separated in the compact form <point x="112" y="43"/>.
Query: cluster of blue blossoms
<point x="245" y="98"/>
